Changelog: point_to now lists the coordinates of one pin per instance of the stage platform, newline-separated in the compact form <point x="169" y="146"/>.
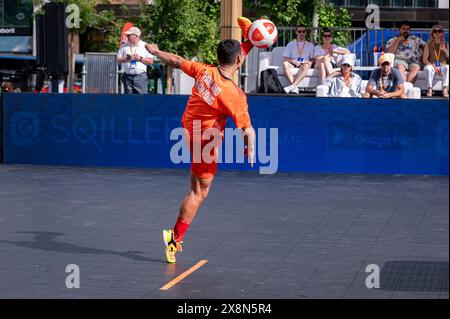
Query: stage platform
<point x="288" y="235"/>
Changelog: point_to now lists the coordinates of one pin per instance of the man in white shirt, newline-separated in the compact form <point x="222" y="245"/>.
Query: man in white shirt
<point x="298" y="57"/>
<point x="134" y="58"/>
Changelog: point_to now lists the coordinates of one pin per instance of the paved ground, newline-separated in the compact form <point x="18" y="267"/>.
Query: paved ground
<point x="281" y="236"/>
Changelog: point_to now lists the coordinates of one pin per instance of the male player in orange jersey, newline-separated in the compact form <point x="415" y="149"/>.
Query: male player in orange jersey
<point x="214" y="97"/>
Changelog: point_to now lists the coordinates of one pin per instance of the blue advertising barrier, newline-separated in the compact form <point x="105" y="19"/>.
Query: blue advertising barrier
<point x="314" y="134"/>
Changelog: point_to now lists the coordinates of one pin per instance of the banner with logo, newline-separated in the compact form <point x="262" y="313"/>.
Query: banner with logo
<point x="341" y="135"/>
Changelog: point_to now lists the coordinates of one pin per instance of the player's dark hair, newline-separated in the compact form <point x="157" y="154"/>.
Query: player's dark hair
<point x="227" y="51"/>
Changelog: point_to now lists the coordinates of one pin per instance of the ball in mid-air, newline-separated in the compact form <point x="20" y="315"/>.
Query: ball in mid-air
<point x="263" y="33"/>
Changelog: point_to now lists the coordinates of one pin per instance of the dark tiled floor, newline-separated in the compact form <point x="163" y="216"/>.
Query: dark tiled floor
<point x="280" y="236"/>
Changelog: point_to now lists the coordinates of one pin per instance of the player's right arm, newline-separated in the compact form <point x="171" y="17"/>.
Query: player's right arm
<point x="191" y="68"/>
<point x="237" y="108"/>
<point x="249" y="141"/>
<point x="168" y="58"/>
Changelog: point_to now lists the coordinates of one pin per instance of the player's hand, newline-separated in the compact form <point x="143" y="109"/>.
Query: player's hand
<point x="152" y="48"/>
<point x="437" y="70"/>
<point x="251" y="156"/>
<point x="137" y="57"/>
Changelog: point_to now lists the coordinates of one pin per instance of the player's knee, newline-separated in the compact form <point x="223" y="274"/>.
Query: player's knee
<point x="200" y="194"/>
<point x="204" y="193"/>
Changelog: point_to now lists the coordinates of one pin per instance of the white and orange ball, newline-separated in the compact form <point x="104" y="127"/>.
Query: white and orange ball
<point x="263" y="33"/>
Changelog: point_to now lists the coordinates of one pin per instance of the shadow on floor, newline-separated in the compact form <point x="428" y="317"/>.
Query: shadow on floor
<point x="47" y="241"/>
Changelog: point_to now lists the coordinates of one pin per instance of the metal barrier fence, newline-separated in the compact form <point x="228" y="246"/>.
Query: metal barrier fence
<point x="360" y="41"/>
<point x="100" y="73"/>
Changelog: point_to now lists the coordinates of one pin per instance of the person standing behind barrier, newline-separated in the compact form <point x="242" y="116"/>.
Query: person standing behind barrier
<point x="134" y="57"/>
<point x="345" y="83"/>
<point x="408" y="52"/>
<point x="385" y="82"/>
<point x="297" y="55"/>
<point x="435" y="58"/>
<point x="326" y="55"/>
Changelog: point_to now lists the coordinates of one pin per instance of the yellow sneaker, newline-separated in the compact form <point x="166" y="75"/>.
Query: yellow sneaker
<point x="245" y="25"/>
<point x="171" y="247"/>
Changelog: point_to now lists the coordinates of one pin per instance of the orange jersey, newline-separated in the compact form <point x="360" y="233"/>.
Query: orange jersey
<point x="213" y="99"/>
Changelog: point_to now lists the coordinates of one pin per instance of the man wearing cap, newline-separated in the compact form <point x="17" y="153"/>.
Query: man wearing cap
<point x="134" y="58"/>
<point x="345" y="83"/>
<point x="385" y="82"/>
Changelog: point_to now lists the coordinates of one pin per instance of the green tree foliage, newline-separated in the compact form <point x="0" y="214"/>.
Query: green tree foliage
<point x="284" y="13"/>
<point x="330" y="16"/>
<point x="289" y="13"/>
<point x="104" y="21"/>
<point x="189" y="28"/>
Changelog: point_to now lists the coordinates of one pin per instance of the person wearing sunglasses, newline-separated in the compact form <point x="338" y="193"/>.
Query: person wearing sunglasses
<point x="297" y="59"/>
<point x="327" y="54"/>
<point x="385" y="82"/>
<point x="345" y="83"/>
<point x="435" y="58"/>
<point x="408" y="52"/>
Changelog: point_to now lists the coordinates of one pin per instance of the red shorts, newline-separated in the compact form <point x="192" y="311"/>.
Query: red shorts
<point x="202" y="169"/>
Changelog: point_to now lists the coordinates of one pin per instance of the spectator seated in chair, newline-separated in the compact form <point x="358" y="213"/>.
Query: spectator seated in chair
<point x="385" y="82"/>
<point x="326" y="56"/>
<point x="345" y="83"/>
<point x="297" y="54"/>
<point x="435" y="58"/>
<point x="408" y="52"/>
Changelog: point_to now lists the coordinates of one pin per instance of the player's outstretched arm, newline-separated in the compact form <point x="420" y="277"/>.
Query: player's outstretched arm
<point x="168" y="58"/>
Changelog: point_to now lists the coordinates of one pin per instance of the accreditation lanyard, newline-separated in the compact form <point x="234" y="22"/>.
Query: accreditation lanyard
<point x="436" y="55"/>
<point x="382" y="83"/>
<point x="133" y="62"/>
<point x="300" y="51"/>
<point x="131" y="50"/>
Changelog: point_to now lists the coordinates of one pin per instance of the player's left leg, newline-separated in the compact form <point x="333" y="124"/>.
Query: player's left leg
<point x="197" y="194"/>
<point x="202" y="175"/>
